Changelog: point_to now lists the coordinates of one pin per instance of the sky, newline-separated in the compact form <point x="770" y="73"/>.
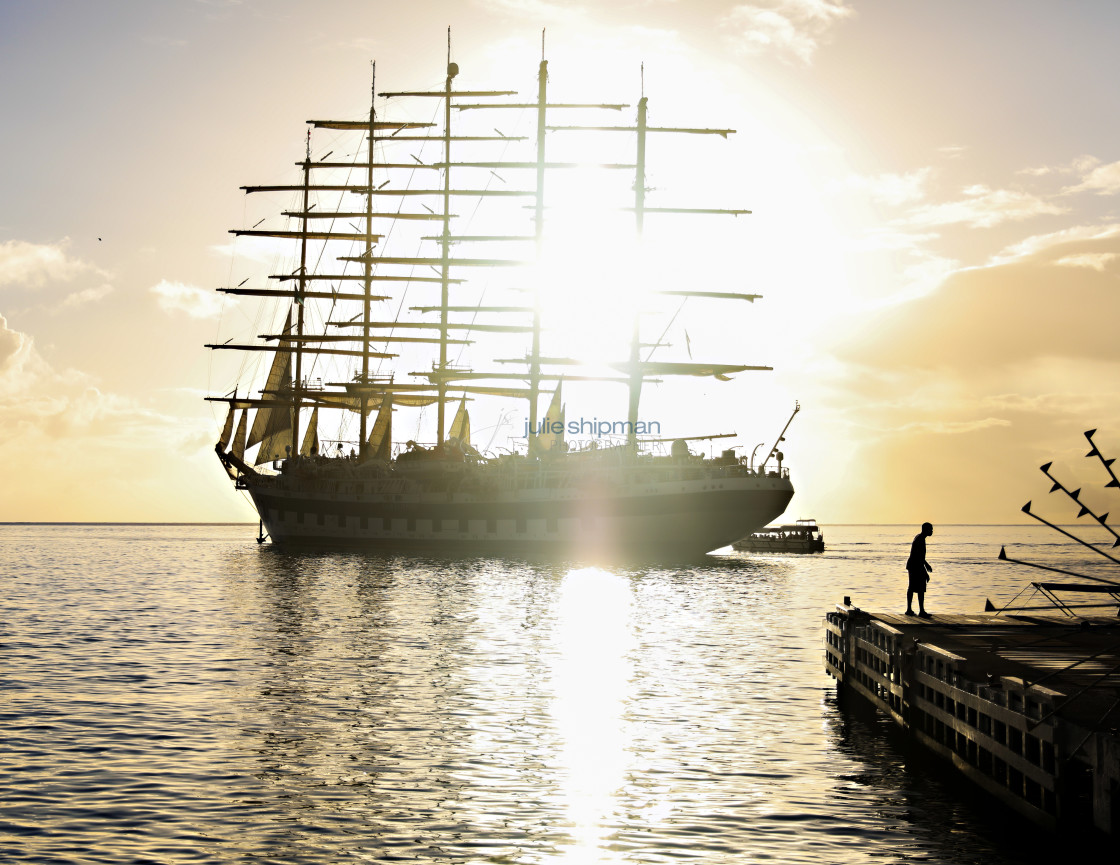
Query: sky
<point x="935" y="229"/>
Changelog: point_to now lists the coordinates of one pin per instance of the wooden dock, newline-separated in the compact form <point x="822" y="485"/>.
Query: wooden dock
<point x="1028" y="707"/>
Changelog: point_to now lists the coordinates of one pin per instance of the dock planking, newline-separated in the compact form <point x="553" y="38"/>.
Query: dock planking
<point x="1027" y="706"/>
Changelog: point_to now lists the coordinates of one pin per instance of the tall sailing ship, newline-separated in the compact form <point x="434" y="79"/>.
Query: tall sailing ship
<point x="398" y="218"/>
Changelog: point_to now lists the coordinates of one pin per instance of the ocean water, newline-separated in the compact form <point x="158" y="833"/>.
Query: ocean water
<point x="180" y="694"/>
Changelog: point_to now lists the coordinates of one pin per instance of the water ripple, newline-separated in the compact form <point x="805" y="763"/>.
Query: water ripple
<point x="179" y="694"/>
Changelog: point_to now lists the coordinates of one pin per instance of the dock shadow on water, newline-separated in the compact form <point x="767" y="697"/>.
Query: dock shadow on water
<point x="180" y="694"/>
<point x="950" y="819"/>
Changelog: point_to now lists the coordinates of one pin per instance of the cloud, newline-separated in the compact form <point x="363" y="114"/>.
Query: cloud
<point x="87" y="295"/>
<point x="982" y="207"/>
<point x="1081" y="165"/>
<point x="892" y="189"/>
<point x="28" y="384"/>
<point x="794" y="28"/>
<point x="1003" y="316"/>
<point x="1095" y="260"/>
<point x="1044" y="403"/>
<point x="1039" y="243"/>
<point x="923" y="276"/>
<point x="73" y="451"/>
<point x="889" y="239"/>
<point x="538" y="10"/>
<point x="263" y="250"/>
<point x="956" y="439"/>
<point x="949" y="400"/>
<point x="1102" y="179"/>
<point x="12" y="343"/>
<point x="178" y="297"/>
<point x="953" y="427"/>
<point x="31" y="265"/>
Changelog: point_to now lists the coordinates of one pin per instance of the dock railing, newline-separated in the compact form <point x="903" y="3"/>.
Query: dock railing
<point x="1003" y="734"/>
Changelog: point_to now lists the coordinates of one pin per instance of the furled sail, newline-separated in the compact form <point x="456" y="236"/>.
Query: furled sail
<point x="354" y="403"/>
<point x="461" y="425"/>
<point x="310" y="446"/>
<point x="720" y="371"/>
<point x="238" y="447"/>
<point x="414" y="399"/>
<point x="551" y="439"/>
<point x="381" y="436"/>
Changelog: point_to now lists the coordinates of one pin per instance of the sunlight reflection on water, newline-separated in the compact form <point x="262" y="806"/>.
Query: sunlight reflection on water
<point x="177" y="694"/>
<point x="591" y="679"/>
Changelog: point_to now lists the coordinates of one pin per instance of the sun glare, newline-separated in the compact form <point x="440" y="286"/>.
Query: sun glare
<point x="591" y="288"/>
<point x="591" y="682"/>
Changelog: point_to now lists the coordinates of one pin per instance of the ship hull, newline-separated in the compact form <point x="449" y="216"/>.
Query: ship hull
<point x="680" y="517"/>
<point x="754" y="545"/>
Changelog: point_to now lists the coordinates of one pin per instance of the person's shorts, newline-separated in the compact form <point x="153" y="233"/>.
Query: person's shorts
<point x="918" y="580"/>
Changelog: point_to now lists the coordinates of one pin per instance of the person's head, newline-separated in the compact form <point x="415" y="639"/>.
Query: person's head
<point x="927" y="529"/>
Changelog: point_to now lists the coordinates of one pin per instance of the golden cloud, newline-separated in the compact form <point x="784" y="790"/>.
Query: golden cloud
<point x="31" y="265"/>
<point x="1004" y="314"/>
<point x="791" y="28"/>
<point x="179" y="297"/>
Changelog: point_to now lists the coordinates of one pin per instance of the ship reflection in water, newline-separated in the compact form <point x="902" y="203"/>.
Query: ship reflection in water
<point x="242" y="703"/>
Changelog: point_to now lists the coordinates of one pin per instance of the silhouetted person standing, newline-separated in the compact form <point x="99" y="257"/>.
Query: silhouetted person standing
<point x="918" y="570"/>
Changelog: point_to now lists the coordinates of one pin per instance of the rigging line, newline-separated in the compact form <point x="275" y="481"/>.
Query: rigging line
<point x="1100" y="678"/>
<point x="353" y="243"/>
<point x="257" y="358"/>
<point x="654" y="347"/>
<point x="1045" y="677"/>
<point x="323" y="247"/>
<point x="221" y="317"/>
<point x="1097" y="726"/>
<point x="501" y="158"/>
<point x="1014" y="599"/>
<point x="252" y="322"/>
<point x="995" y="646"/>
<point x="470" y="219"/>
<point x="419" y="244"/>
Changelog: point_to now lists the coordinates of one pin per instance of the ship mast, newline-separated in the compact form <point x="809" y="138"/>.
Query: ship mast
<point x="281" y="402"/>
<point x="635" y="384"/>
<point x="535" y="349"/>
<point x="367" y="273"/>
<point x="445" y="246"/>
<point x="533" y="359"/>
<point x="298" y="383"/>
<point x="636" y="370"/>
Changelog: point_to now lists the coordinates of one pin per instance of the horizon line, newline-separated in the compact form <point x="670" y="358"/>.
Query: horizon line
<point x="211" y="523"/>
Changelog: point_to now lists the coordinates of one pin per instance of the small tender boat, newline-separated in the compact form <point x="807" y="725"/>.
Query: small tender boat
<point x="804" y="536"/>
